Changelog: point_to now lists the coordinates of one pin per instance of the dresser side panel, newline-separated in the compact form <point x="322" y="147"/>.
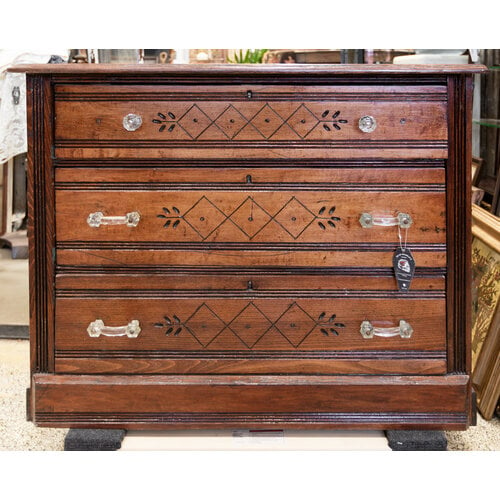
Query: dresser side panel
<point x="41" y="231"/>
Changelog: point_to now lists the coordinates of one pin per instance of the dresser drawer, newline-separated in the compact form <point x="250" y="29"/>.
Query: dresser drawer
<point x="255" y="323"/>
<point x="163" y="121"/>
<point x="250" y="216"/>
<point x="177" y="334"/>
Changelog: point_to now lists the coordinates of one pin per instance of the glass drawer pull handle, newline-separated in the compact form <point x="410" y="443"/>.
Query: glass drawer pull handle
<point x="404" y="330"/>
<point x="132" y="122"/>
<point x="367" y="124"/>
<point x="404" y="221"/>
<point x="98" y="218"/>
<point x="98" y="328"/>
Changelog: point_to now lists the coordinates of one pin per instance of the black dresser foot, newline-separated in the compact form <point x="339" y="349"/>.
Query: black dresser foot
<point x="417" y="440"/>
<point x="94" y="439"/>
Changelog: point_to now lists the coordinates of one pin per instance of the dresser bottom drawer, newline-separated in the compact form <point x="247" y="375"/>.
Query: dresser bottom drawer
<point x="230" y="401"/>
<point x="339" y="333"/>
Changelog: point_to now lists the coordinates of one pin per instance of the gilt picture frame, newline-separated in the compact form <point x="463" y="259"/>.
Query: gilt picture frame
<point x="485" y="309"/>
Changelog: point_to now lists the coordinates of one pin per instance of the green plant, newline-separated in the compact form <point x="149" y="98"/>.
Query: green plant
<point x="251" y="56"/>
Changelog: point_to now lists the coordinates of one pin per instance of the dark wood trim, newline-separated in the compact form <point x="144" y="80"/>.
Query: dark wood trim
<point x="41" y="232"/>
<point x="459" y="223"/>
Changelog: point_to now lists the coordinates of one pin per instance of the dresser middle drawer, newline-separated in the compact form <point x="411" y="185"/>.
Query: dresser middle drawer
<point x="182" y="225"/>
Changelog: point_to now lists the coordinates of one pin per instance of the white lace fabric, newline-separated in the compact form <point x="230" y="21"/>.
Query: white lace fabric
<point x="13" y="130"/>
<point x="13" y="124"/>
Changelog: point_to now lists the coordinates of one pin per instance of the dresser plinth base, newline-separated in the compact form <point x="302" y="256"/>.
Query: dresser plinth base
<point x="229" y="401"/>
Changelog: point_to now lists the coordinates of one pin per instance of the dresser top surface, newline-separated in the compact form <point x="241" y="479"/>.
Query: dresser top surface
<point x="248" y="69"/>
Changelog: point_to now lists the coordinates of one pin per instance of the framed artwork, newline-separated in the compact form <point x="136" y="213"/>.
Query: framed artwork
<point x="485" y="308"/>
<point x="476" y="169"/>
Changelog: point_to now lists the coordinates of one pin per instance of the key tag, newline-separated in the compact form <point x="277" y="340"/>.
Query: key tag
<point x="404" y="264"/>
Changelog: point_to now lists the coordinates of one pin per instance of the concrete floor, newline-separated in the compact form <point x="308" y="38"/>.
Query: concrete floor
<point x="18" y="434"/>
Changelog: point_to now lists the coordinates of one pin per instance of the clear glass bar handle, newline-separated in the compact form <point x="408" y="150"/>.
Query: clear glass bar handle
<point x="368" y="331"/>
<point x="404" y="221"/>
<point x="97" y="219"/>
<point x="98" y="328"/>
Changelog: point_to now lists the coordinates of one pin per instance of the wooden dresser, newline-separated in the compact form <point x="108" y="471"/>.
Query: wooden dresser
<point x="250" y="246"/>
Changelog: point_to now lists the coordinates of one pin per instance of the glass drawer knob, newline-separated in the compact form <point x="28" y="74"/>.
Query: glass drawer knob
<point x="132" y="122"/>
<point x="367" y="124"/>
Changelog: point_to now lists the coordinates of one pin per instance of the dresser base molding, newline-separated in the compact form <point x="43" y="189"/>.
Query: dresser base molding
<point x="229" y="401"/>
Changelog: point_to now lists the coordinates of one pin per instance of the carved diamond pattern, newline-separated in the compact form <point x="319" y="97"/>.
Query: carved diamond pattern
<point x="267" y="121"/>
<point x="231" y="121"/>
<point x="195" y="121"/>
<point x="204" y="217"/>
<point x="295" y="324"/>
<point x="205" y="325"/>
<point x="302" y="121"/>
<point x="250" y="217"/>
<point x="250" y="325"/>
<point x="294" y="217"/>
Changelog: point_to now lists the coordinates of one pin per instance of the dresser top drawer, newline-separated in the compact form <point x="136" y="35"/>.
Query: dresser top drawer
<point x="249" y="120"/>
